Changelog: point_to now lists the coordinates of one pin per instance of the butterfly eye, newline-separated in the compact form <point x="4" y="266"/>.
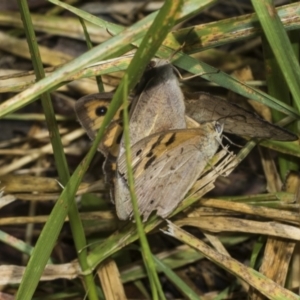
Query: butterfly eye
<point x="152" y="64"/>
<point x="218" y="127"/>
<point x="101" y="111"/>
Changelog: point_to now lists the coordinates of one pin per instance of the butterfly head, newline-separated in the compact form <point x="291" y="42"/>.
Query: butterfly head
<point x="218" y="128"/>
<point x="91" y="110"/>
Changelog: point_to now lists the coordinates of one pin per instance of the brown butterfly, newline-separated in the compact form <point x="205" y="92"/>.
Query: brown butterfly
<point x="167" y="157"/>
<point x="159" y="139"/>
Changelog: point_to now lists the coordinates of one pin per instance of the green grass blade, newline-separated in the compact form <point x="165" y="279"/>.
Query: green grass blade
<point x="90" y="46"/>
<point x="146" y="252"/>
<point x="58" y="152"/>
<point x="232" y="30"/>
<point x="280" y="44"/>
<point x="177" y="281"/>
<point x="191" y="8"/>
<point x="195" y="67"/>
<point x="30" y="275"/>
<point x="278" y="88"/>
<point x="114" y="29"/>
<point x="282" y="67"/>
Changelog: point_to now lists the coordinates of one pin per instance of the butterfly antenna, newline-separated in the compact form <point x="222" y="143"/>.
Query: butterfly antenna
<point x="231" y="142"/>
<point x="110" y="33"/>
<point x="60" y="184"/>
<point x="199" y="75"/>
<point x="176" y="51"/>
<point x="180" y="48"/>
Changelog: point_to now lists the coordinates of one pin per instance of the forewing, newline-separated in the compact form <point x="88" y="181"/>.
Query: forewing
<point x="164" y="173"/>
<point x="160" y="105"/>
<point x="204" y="107"/>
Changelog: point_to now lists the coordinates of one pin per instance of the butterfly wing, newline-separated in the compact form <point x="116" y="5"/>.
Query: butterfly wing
<point x="160" y="105"/>
<point x="204" y="107"/>
<point x="90" y="111"/>
<point x="165" y="167"/>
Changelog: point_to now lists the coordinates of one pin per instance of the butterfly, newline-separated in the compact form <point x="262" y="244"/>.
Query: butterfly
<point x="167" y="156"/>
<point x="164" y="150"/>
